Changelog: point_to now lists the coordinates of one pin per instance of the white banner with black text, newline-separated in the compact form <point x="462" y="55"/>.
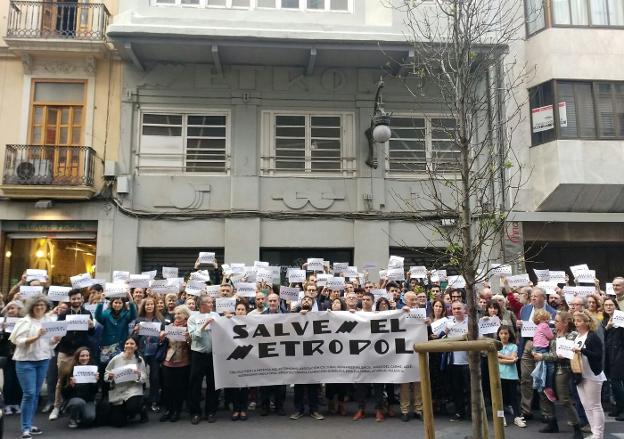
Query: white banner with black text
<point x="318" y="347"/>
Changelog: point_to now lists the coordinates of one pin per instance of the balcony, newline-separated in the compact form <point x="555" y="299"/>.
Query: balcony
<point x="44" y="171"/>
<point x="50" y="25"/>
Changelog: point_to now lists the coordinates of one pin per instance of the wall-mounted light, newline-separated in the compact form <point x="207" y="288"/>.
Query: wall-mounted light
<point x="379" y="130"/>
<point x="8" y="254"/>
<point x="39" y="254"/>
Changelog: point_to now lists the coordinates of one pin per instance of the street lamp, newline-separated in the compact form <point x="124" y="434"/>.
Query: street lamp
<point x="379" y="130"/>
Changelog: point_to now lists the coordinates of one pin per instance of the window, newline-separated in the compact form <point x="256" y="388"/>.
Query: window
<point x="184" y="143"/>
<point x="420" y="144"/>
<point x="295" y="5"/>
<point x="57" y="112"/>
<point x="308" y="143"/>
<point x="574" y="13"/>
<point x="584" y="110"/>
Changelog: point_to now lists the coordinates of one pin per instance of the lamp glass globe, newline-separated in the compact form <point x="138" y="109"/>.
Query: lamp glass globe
<point x="381" y="133"/>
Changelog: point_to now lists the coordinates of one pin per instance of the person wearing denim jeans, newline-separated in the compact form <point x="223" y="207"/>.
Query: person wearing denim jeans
<point x="33" y="351"/>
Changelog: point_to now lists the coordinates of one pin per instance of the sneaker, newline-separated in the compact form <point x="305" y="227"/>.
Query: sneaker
<point x="8" y="411"/>
<point x="35" y="431"/>
<point x="550" y="394"/>
<point x="405" y="417"/>
<point x="252" y="406"/>
<point x="54" y="414"/>
<point x="47" y="408"/>
<point x="317" y="416"/>
<point x="72" y="424"/>
<point x="26" y="435"/>
<point x="17" y="410"/>
<point x="155" y="407"/>
<point x="296" y="415"/>
<point x="519" y="422"/>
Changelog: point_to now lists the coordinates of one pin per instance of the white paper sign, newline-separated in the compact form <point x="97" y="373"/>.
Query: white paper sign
<point x="395" y="274"/>
<point x="169" y="272"/>
<point x="519" y="280"/>
<point x="122" y="276"/>
<point x="609" y="289"/>
<point x="542" y="118"/>
<point x="289" y="294"/>
<point x="9" y="323"/>
<point x="34" y="274"/>
<point x="139" y="281"/>
<point x="315" y="264"/>
<point x="502" y="269"/>
<point x="418" y="272"/>
<point x="339" y="267"/>
<point x="54" y="329"/>
<point x="618" y="318"/>
<point x="205" y="258"/>
<point x="351" y="271"/>
<point x="528" y="329"/>
<point x="489" y="325"/>
<point x="81" y="280"/>
<point x="58" y="294"/>
<point x="557" y="276"/>
<point x="456" y="281"/>
<point x="264" y="274"/>
<point x="151" y="274"/>
<point x="336" y="283"/>
<point x="196" y="287"/>
<point x="548" y="287"/>
<point x="29" y="291"/>
<point x="125" y="373"/>
<point x="276" y="272"/>
<point x="245" y="289"/>
<point x="585" y="276"/>
<point x="296" y="276"/>
<point x="378" y="293"/>
<point x="149" y="329"/>
<point x="85" y="374"/>
<point x="321" y="279"/>
<point x="417" y="313"/>
<point x="202" y="275"/>
<point x="112" y="290"/>
<point x="438" y="276"/>
<point x="213" y="291"/>
<point x="439" y="326"/>
<point x="564" y="347"/>
<point x="176" y="333"/>
<point x="77" y="322"/>
<point x="576" y="268"/>
<point x="542" y="275"/>
<point x="225" y="304"/>
<point x="396" y="262"/>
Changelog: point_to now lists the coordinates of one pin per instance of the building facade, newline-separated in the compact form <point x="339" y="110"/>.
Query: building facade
<point x="59" y="122"/>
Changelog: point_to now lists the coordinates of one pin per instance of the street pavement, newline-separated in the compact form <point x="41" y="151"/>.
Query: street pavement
<point x="276" y="427"/>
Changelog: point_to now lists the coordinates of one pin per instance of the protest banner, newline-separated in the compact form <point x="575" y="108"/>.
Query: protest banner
<point x="205" y="258"/>
<point x="585" y="276"/>
<point x="438" y="276"/>
<point x="263" y="274"/>
<point x="296" y="276"/>
<point x="339" y="267"/>
<point x="85" y="374"/>
<point x="501" y="269"/>
<point x="542" y="275"/>
<point x="417" y="313"/>
<point x="196" y="287"/>
<point x="323" y="347"/>
<point x="519" y="280"/>
<point x="335" y="283"/>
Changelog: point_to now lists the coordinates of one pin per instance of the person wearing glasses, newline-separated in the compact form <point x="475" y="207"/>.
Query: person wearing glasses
<point x="33" y="350"/>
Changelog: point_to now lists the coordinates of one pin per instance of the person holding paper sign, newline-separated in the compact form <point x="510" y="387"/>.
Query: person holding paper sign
<point x="176" y="367"/>
<point x="409" y="393"/>
<point x="201" y="362"/>
<point x="239" y="396"/>
<point x="32" y="357"/>
<point x="459" y="375"/>
<point x="126" y="398"/>
<point x="588" y="344"/>
<point x="68" y="345"/>
<point x="12" y="392"/>
<point x="148" y="346"/>
<point x="564" y="328"/>
<point x="115" y="321"/>
<point x="80" y="397"/>
<point x="614" y="358"/>
<point x="277" y="392"/>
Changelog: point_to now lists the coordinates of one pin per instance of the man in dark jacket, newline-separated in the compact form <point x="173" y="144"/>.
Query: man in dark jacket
<point x="69" y="343"/>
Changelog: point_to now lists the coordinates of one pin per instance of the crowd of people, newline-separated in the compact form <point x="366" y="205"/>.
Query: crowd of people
<point x="135" y="367"/>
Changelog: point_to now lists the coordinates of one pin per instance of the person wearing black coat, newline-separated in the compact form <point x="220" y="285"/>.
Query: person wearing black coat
<point x="80" y="397"/>
<point x="589" y="345"/>
<point x="614" y="358"/>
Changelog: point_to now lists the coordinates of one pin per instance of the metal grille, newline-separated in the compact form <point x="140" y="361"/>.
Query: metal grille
<point x="183" y="258"/>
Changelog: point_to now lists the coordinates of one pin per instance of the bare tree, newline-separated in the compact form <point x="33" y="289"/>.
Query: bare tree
<point x="462" y="49"/>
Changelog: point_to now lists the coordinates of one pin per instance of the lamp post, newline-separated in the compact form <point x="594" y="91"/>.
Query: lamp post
<point x="379" y="130"/>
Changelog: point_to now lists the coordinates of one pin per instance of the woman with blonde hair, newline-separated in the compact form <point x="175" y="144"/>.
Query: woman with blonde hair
<point x="589" y="345"/>
<point x="594" y="306"/>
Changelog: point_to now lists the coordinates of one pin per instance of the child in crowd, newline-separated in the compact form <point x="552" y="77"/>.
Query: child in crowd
<point x="541" y="344"/>
<point x="507" y="359"/>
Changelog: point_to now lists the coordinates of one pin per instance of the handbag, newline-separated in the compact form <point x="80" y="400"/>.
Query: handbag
<point x="161" y="351"/>
<point x="576" y="363"/>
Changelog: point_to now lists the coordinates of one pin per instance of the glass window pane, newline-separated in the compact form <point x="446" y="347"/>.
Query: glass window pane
<point x="619" y="108"/>
<point x="316" y="4"/>
<point x="561" y="11"/>
<point x="206" y="120"/>
<point x="566" y="95"/>
<point x="59" y="92"/>
<point x="290" y="4"/>
<point x="580" y="15"/>
<point x="606" y="115"/>
<point x="162" y="131"/>
<point x="65" y="116"/>
<point x="38" y="116"/>
<point x="339" y="5"/>
<point x="599" y="13"/>
<point x="208" y="2"/>
<point x="162" y="119"/>
<point x="36" y="135"/>
<point x="240" y="3"/>
<point x="585" y="108"/>
<point x="266" y="3"/>
<point x="76" y="136"/>
<point x="290" y="120"/>
<point x="77" y="115"/>
<point x="616" y="12"/>
<point x="64" y="136"/>
<point x="196" y="2"/>
<point x="535" y="16"/>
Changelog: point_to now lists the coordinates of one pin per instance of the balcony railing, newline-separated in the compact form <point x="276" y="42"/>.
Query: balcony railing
<point x="48" y="165"/>
<point x="57" y="20"/>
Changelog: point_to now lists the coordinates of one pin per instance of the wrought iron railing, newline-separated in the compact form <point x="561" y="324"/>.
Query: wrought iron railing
<point x="48" y="165"/>
<point x="64" y="20"/>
